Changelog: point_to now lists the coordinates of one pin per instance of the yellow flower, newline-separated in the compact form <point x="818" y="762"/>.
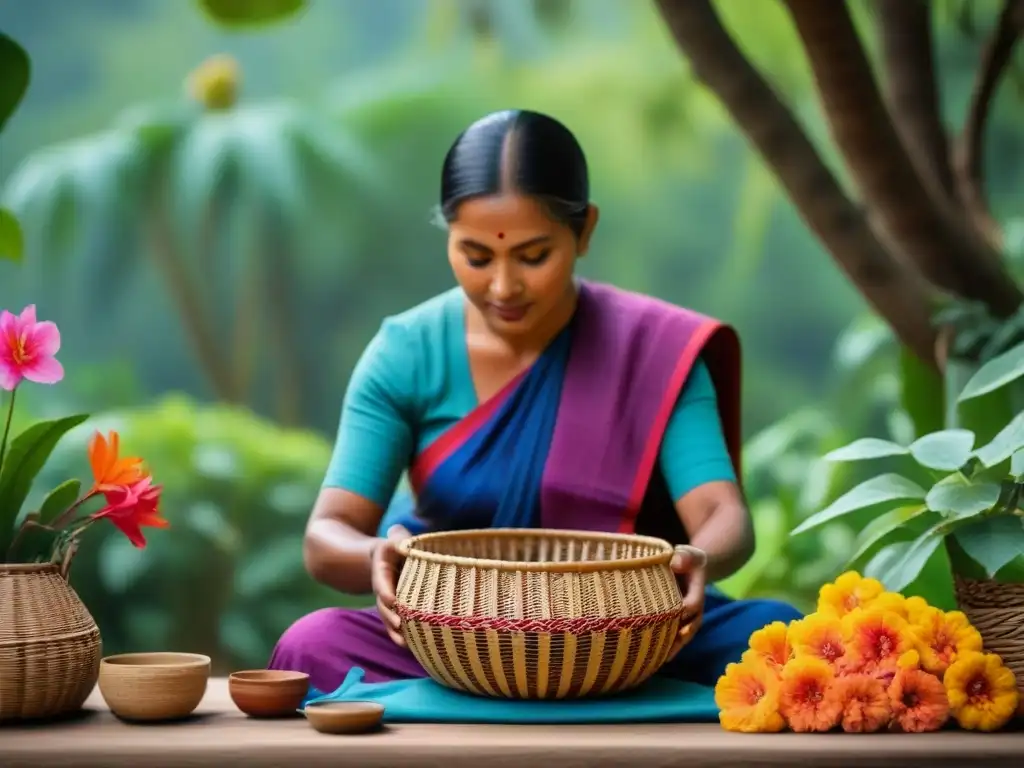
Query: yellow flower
<point x="941" y="637"/>
<point x="909" y="660"/>
<point x="914" y="606"/>
<point x="982" y="692"/>
<point x="215" y="82"/>
<point x="891" y="602"/>
<point x="875" y="641"/>
<point x="848" y="592"/>
<point x="747" y="696"/>
<point x="770" y="644"/>
<point x="817" y="636"/>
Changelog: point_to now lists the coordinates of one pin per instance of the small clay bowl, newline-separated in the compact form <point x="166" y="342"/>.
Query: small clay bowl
<point x="268" y="692"/>
<point x="344" y="717"/>
<point x="154" y="686"/>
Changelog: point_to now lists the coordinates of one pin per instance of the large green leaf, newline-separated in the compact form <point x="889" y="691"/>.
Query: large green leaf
<point x="898" y="565"/>
<point x="877" y="490"/>
<point x="250" y="13"/>
<point x="1005" y="444"/>
<point x="59" y="500"/>
<point x="957" y="497"/>
<point x="26" y="455"/>
<point x="12" y="242"/>
<point x="996" y="373"/>
<point x="896" y="520"/>
<point x="15" y="72"/>
<point x="866" y="448"/>
<point x="1017" y="464"/>
<point x="992" y="542"/>
<point x="946" y="450"/>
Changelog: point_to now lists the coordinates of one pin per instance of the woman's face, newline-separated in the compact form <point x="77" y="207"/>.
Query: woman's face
<point x="514" y="261"/>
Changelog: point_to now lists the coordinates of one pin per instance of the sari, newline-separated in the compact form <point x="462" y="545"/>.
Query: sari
<point x="570" y="443"/>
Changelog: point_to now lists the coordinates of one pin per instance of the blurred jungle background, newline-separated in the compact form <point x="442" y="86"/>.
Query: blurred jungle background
<point x="218" y="216"/>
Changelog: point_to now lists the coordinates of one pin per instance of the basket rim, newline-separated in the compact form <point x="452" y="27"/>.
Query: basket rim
<point x="18" y="569"/>
<point x="407" y="548"/>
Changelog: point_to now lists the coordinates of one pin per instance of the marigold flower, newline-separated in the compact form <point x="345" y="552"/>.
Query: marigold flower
<point x="770" y="644"/>
<point x="849" y="591"/>
<point x="918" y="701"/>
<point x="109" y="470"/>
<point x="803" y="699"/>
<point x="817" y="636"/>
<point x="747" y="696"/>
<point x="875" y="640"/>
<point x="982" y="692"/>
<point x="941" y="637"/>
<point x="27" y="349"/>
<point x="914" y="606"/>
<point x="863" y="703"/>
<point x="909" y="660"/>
<point x="892" y="602"/>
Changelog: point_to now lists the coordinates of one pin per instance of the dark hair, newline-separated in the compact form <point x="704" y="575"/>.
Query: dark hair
<point x="520" y="151"/>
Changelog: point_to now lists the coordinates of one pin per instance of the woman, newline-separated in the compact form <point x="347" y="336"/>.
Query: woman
<point x="525" y="397"/>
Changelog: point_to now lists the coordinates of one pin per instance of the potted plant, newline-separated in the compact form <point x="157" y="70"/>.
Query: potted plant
<point x="50" y="645"/>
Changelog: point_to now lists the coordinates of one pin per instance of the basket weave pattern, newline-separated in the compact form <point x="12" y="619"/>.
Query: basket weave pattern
<point x="49" y="644"/>
<point x="997" y="611"/>
<point x="538" y="614"/>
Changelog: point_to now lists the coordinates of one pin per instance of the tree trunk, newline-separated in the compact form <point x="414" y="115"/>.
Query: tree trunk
<point x="893" y="289"/>
<point x="932" y="234"/>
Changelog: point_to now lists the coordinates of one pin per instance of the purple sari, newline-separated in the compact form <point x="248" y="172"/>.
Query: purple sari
<point x="572" y="443"/>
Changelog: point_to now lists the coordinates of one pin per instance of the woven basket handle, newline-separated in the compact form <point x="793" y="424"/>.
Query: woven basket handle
<point x="686" y="634"/>
<point x="69" y="555"/>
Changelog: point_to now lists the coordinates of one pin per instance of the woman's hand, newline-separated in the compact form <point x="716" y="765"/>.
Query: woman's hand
<point x="689" y="564"/>
<point x="385" y="567"/>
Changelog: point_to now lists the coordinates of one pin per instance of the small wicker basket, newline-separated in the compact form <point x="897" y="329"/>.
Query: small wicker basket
<point x="997" y="612"/>
<point x="538" y="614"/>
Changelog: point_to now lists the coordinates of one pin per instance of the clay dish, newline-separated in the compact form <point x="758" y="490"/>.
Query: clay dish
<point x="154" y="686"/>
<point x="344" y="717"/>
<point x="268" y="692"/>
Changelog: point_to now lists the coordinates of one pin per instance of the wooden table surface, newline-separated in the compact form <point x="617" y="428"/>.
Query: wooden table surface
<point x="221" y="736"/>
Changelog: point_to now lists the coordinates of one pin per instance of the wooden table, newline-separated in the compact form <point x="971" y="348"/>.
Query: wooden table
<point x="220" y="736"/>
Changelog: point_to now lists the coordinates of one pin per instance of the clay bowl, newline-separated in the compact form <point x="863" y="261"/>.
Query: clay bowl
<point x="268" y="692"/>
<point x="154" y="686"/>
<point x="344" y="717"/>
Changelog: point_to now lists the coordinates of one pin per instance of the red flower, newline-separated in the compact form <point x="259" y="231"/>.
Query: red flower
<point x="130" y="507"/>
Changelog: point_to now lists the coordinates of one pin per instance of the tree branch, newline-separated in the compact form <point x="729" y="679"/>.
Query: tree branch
<point x="912" y="94"/>
<point x="947" y="250"/>
<point x="894" y="290"/>
<point x="969" y="157"/>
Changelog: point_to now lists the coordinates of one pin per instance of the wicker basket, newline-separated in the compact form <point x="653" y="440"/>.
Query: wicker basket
<point x="536" y="614"/>
<point x="49" y="644"/>
<point x="997" y="611"/>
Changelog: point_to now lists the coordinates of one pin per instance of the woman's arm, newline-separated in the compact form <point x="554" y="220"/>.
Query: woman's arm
<point x="374" y="443"/>
<point x="699" y="473"/>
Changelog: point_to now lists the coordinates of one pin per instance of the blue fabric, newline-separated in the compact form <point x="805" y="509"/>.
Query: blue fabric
<point x="494" y="477"/>
<point x="660" y="700"/>
<point x="413" y="382"/>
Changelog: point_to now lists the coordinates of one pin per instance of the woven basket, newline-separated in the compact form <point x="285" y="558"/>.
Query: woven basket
<point x="536" y="614"/>
<point x="49" y="644"/>
<point x="997" y="611"/>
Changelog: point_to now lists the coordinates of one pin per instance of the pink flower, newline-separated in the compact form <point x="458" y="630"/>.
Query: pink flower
<point x="27" y="349"/>
<point x="129" y="507"/>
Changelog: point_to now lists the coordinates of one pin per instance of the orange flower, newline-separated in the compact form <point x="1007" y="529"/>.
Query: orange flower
<point x="918" y="701"/>
<point x="817" y="636"/>
<point x="941" y="637"/>
<point x="108" y="469"/>
<point x="847" y="592"/>
<point x="130" y="507"/>
<point x="803" y="698"/>
<point x="982" y="692"/>
<point x="747" y="696"/>
<point x="862" y="701"/>
<point x="874" y="641"/>
<point x="770" y="644"/>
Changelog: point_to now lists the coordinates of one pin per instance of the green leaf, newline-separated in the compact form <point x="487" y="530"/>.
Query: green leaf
<point x="866" y="448"/>
<point x="992" y="542"/>
<point x="899" y="564"/>
<point x="1005" y="444"/>
<point x="26" y="455"/>
<point x="877" y="490"/>
<point x="884" y="525"/>
<point x="947" y="450"/>
<point x="996" y="373"/>
<point x="59" y="500"/>
<point x="1017" y="464"/>
<point x="922" y="393"/>
<point x="250" y="13"/>
<point x="957" y="497"/>
<point x="17" y="70"/>
<point x="12" y="242"/>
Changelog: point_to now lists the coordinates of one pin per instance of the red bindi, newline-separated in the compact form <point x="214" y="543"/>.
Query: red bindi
<point x="501" y="235"/>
